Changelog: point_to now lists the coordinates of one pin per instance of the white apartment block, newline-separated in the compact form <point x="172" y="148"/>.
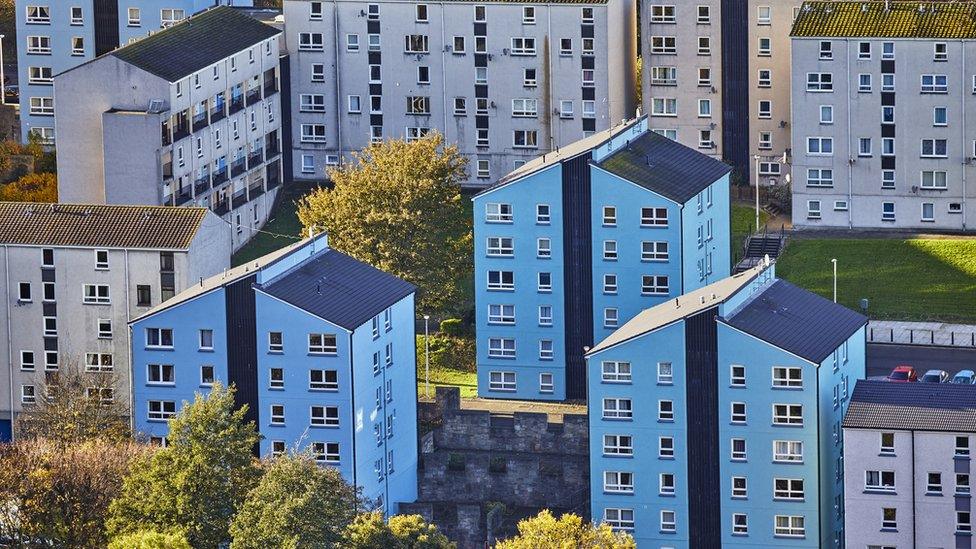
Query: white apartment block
<point x="74" y="275"/>
<point x="505" y="81"/>
<point x="188" y="116"/>
<point x="907" y="465"/>
<point x="716" y="77"/>
<point x="882" y="93"/>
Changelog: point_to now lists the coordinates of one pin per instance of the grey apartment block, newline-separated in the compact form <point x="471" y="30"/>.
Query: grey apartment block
<point x="74" y="275"/>
<point x="907" y="465"/>
<point x="716" y="77"/>
<point x="881" y="131"/>
<point x="505" y="81"/>
<point x="188" y="116"/>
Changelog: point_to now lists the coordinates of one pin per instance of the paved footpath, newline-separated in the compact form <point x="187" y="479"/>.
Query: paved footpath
<point x="921" y="333"/>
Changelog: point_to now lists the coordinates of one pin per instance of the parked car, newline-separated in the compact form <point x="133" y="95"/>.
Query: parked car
<point x="903" y="374"/>
<point x="935" y="376"/>
<point x="964" y="377"/>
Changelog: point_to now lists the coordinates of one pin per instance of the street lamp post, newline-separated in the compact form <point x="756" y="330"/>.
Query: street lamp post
<point x="426" y="356"/>
<point x="756" y="157"/>
<point x="3" y="78"/>
<point x="834" y="261"/>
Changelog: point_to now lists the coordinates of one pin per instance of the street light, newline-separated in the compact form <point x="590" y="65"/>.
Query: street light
<point x="756" y="156"/>
<point x="834" y="261"/>
<point x="426" y="356"/>
<point x="3" y="79"/>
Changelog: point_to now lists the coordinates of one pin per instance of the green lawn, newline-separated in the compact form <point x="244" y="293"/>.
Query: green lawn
<point x="284" y="220"/>
<point x="917" y="279"/>
<point x="467" y="381"/>
<point x="743" y="225"/>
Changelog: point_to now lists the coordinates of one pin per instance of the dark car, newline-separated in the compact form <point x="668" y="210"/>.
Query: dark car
<point x="903" y="374"/>
<point x="935" y="376"/>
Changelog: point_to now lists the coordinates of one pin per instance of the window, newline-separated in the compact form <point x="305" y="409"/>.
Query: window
<point x="737" y="376"/>
<point x="940" y="116"/>
<point x="39" y="45"/>
<point x="820" y="177"/>
<point x="765" y="109"/>
<point x="275" y="342"/>
<point x="940" y="51"/>
<point x="609" y="250"/>
<point x="662" y="14"/>
<point x="545" y="349"/>
<point x="789" y="526"/>
<point x="887" y="211"/>
<point x="738" y="412"/>
<point x="42" y="106"/>
<point x="327" y="416"/>
<point x="962" y="446"/>
<point x="704" y="108"/>
<point x="887" y="179"/>
<point x="668" y="523"/>
<point x="27" y="360"/>
<point x="934" y="483"/>
<point x="928" y="211"/>
<point x="618" y="482"/>
<point x="664" y="76"/>
<point x="523" y="46"/>
<point x="788" y="488"/>
<point x="615" y="371"/>
<point x="820" y="146"/>
<point x="28" y="394"/>
<point x="38" y="15"/>
<point x="740" y="524"/>
<point x="887" y="82"/>
<point x="170" y="17"/>
<point x="962" y="483"/>
<point x="934" y="148"/>
<point x="310" y="41"/>
<point x="665" y="373"/>
<point x="739" y="487"/>
<point x="826" y="51"/>
<point x="528" y="15"/>
<point x="327" y="380"/>
<point x="788" y="414"/>
<point x="160" y="374"/>
<point x="502" y="314"/>
<point x="543" y="248"/>
<point x="963" y="522"/>
<point x="161" y="410"/>
<point x="889" y="518"/>
<point x="654" y="251"/>
<point x="790" y="451"/>
<point x="501" y="381"/>
<point x="864" y="50"/>
<point x="104" y="328"/>
<point x="617" y="408"/>
<point x="704" y="15"/>
<point x="765" y="46"/>
<point x="879" y="480"/>
<point x="421" y="13"/>
<point x="498" y="213"/>
<point x="373" y="12"/>
<point x="619" y="519"/>
<point x="458" y="44"/>
<point x="665" y="410"/>
<point x="765" y="140"/>
<point x="98" y="362"/>
<point x="322" y="344"/>
<point x="618" y="445"/>
<point x="654" y="285"/>
<point x="887" y="50"/>
<point x="159" y="337"/>
<point x="542" y="215"/>
<point x="813" y="209"/>
<point x="40" y="75"/>
<point x="704" y="45"/>
<point x="664" y="106"/>
<point x="664" y="45"/>
<point x="545" y="282"/>
<point x="611" y="317"/>
<point x="864" y="83"/>
<point x="522" y="108"/>
<point x="415" y="43"/>
<point x="206" y="375"/>
<point x="525" y="139"/>
<point x="313" y="133"/>
<point x="24" y="292"/>
<point x="546" y="383"/>
<point x="501" y="347"/>
<point x="935" y="83"/>
<point x="499" y="246"/>
<point x="501" y="280"/>
<point x="277" y="414"/>
<point x="565" y="46"/>
<point x="887" y="443"/>
<point x="787" y="376"/>
<point x="666" y="484"/>
<point x="820" y="82"/>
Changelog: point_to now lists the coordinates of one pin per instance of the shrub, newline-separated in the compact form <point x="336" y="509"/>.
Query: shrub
<point x="448" y="353"/>
<point x="455" y="462"/>
<point x="452" y="327"/>
<point x="497" y="464"/>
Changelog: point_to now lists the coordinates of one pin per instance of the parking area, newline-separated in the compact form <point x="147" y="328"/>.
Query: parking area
<point x="882" y="358"/>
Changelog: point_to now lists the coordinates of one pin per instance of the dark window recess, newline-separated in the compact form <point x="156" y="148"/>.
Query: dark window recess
<point x="481" y="90"/>
<point x="887" y="130"/>
<point x="47" y="257"/>
<point x="589" y="124"/>
<point x="47" y="275"/>
<point x="374" y="57"/>
<point x="735" y="86"/>
<point x="586" y="31"/>
<point x="701" y="372"/>
<point x="376" y="89"/>
<point x="50" y="344"/>
<point x="167" y="275"/>
<point x="589" y="62"/>
<point x="242" y="346"/>
<point x="481" y="60"/>
<point x="49" y="294"/>
<point x="373" y="27"/>
<point x="589" y="94"/>
<point x="578" y="279"/>
<point x="888" y="99"/>
<point x="887" y="162"/>
<point x="376" y="120"/>
<point x="481" y="29"/>
<point x="50" y="309"/>
<point x="143" y="295"/>
<point x="481" y="122"/>
<point x="106" y="26"/>
<point x="887" y="66"/>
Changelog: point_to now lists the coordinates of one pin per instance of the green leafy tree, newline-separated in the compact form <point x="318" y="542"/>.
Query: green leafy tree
<point x="150" y="540"/>
<point x="369" y="531"/>
<point x="567" y="532"/>
<point x="33" y="187"/>
<point x="398" y="207"/>
<point x="195" y="485"/>
<point x="297" y="504"/>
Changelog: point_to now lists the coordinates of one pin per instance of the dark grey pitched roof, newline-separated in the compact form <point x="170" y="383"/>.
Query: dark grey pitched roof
<point x="665" y="167"/>
<point x="912" y="406"/>
<point x="797" y="320"/>
<point x="195" y="43"/>
<point x="340" y="289"/>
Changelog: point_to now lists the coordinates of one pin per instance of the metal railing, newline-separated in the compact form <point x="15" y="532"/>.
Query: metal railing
<point x="921" y="336"/>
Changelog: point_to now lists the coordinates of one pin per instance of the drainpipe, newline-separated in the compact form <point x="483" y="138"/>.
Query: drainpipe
<point x="128" y="336"/>
<point x="914" y="520"/>
<point x="962" y="108"/>
<point x="443" y="71"/>
<point x="548" y="53"/>
<point x="335" y="41"/>
<point x="10" y="359"/>
<point x="850" y="139"/>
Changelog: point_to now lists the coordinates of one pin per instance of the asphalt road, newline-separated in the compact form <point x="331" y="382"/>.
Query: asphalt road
<point x="881" y="358"/>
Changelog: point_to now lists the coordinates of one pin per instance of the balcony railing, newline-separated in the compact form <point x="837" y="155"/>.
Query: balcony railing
<point x="220" y="176"/>
<point x="184" y="196"/>
<point x="167" y="171"/>
<point x="253" y="96"/>
<point x="181" y="133"/>
<point x="218" y="113"/>
<point x="222" y="207"/>
<point x="238" y="167"/>
<point x="254" y="159"/>
<point x="272" y="176"/>
<point x="270" y="88"/>
<point x="239" y="199"/>
<point x="255" y="191"/>
<point x="272" y="147"/>
<point x="201" y="185"/>
<point x="200" y="121"/>
<point x="237" y="104"/>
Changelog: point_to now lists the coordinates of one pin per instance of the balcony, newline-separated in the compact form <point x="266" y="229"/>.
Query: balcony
<point x="253" y="96"/>
<point x="255" y="158"/>
<point x="272" y="176"/>
<point x="201" y="185"/>
<point x="237" y="104"/>
<point x="238" y="167"/>
<point x="167" y="171"/>
<point x="218" y="113"/>
<point x="181" y="132"/>
<point x="200" y="121"/>
<point x="220" y="176"/>
<point x="270" y="88"/>
<point x="222" y="207"/>
<point x="255" y="191"/>
<point x="184" y="196"/>
<point x="239" y="199"/>
<point x="273" y="149"/>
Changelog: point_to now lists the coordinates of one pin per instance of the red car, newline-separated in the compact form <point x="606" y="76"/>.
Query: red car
<point x="903" y="374"/>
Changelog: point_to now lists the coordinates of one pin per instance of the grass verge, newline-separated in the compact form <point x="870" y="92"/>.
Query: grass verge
<point x="447" y="377"/>
<point x="283" y="221"/>
<point x="743" y="225"/>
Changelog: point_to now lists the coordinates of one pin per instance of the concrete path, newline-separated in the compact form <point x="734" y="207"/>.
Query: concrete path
<point x="921" y="333"/>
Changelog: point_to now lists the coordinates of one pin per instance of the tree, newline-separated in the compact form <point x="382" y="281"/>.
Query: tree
<point x="198" y="482"/>
<point x="369" y="531"/>
<point x="567" y="532"/>
<point x="58" y="496"/>
<point x="77" y="405"/>
<point x="33" y="187"/>
<point x="296" y="504"/>
<point x="398" y="207"/>
<point x="150" y="540"/>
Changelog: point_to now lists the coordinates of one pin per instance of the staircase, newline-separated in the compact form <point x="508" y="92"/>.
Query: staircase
<point x="760" y="245"/>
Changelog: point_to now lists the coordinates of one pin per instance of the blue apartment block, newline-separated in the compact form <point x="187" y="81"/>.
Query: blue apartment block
<point x="56" y="35"/>
<point x="320" y="347"/>
<point x="715" y="417"/>
<point x="574" y="243"/>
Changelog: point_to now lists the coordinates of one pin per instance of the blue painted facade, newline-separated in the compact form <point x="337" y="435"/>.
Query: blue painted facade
<point x="73" y="41"/>
<point x="805" y="461"/>
<point x="614" y="290"/>
<point x="360" y="414"/>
